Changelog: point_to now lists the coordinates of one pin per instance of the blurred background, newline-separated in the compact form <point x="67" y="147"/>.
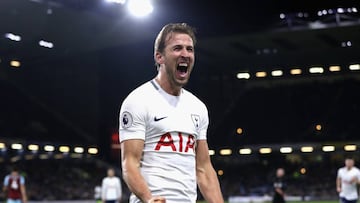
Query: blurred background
<point x="281" y="80"/>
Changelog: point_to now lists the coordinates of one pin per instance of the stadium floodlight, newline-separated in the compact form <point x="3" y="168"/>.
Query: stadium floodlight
<point x="33" y="147"/>
<point x="93" y="150"/>
<point x="307" y="149"/>
<point x="239" y="131"/>
<point x="245" y="151"/>
<point x="79" y="150"/>
<point x="316" y="70"/>
<point x="334" y="68"/>
<point x="260" y="74"/>
<point x="140" y="8"/>
<point x="49" y="148"/>
<point x="328" y="148"/>
<point x="46" y="44"/>
<point x="354" y="67"/>
<point x="13" y="37"/>
<point x="295" y="71"/>
<point x="265" y="150"/>
<point x="276" y="73"/>
<point x="220" y="172"/>
<point x="243" y="75"/>
<point x="286" y="150"/>
<point x="16" y="146"/>
<point x="211" y="152"/>
<point x="15" y="63"/>
<point x="64" y="149"/>
<point x="2" y="145"/>
<point x="351" y="147"/>
<point x="116" y="1"/>
<point x="225" y="152"/>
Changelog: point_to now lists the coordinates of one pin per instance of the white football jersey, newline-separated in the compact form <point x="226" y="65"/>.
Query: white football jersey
<point x="170" y="126"/>
<point x="349" y="190"/>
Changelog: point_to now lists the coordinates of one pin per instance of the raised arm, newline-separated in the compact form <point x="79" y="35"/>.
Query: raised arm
<point x="206" y="176"/>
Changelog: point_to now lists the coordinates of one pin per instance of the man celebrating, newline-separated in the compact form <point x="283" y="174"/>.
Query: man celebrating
<point x="14" y="186"/>
<point x="346" y="182"/>
<point x="163" y="129"/>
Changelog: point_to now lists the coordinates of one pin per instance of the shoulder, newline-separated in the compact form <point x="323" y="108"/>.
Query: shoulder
<point x="194" y="99"/>
<point x="140" y="92"/>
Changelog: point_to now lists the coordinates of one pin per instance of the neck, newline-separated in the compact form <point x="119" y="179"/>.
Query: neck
<point x="167" y="86"/>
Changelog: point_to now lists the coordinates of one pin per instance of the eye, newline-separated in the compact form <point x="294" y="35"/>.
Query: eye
<point x="190" y="49"/>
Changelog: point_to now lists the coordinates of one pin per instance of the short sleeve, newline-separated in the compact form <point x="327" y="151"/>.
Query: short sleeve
<point x="132" y="119"/>
<point x="6" y="181"/>
<point x="22" y="180"/>
<point x="204" y="123"/>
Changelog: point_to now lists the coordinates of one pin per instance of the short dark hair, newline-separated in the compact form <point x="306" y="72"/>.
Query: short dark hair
<point x="160" y="41"/>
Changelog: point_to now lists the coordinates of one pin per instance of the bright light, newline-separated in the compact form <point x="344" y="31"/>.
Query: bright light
<point x="220" y="172"/>
<point x="265" y="150"/>
<point x="211" y="152"/>
<point x="276" y="73"/>
<point x="93" y="150"/>
<point x="13" y="37"/>
<point x="49" y="148"/>
<point x="64" y="149"/>
<point x="46" y="44"/>
<point x="318" y="127"/>
<point x="2" y="145"/>
<point x="316" y="70"/>
<point x="243" y="75"/>
<point x="286" y="150"/>
<point x="295" y="71"/>
<point x="282" y="16"/>
<point x="116" y="1"/>
<point x="350" y="147"/>
<point x="354" y="67"/>
<point x="328" y="148"/>
<point x="334" y="68"/>
<point x="225" y="152"/>
<point x="261" y="74"/>
<point x="33" y="147"/>
<point x="16" y="146"/>
<point x="79" y="150"/>
<point x="15" y="63"/>
<point x="140" y="8"/>
<point x="239" y="131"/>
<point x="303" y="171"/>
<point x="245" y="151"/>
<point x="307" y="149"/>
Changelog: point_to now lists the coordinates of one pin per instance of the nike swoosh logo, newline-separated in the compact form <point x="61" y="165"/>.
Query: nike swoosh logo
<point x="158" y="119"/>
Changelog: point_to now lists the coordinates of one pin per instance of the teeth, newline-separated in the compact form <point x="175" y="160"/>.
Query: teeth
<point x="183" y="64"/>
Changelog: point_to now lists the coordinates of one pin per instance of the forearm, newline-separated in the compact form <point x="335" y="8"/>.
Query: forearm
<point x="23" y="193"/>
<point x="137" y="184"/>
<point x="338" y="183"/>
<point x="209" y="186"/>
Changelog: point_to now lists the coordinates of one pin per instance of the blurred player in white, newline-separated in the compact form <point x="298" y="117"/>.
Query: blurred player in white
<point x="111" y="190"/>
<point x="163" y="129"/>
<point x="347" y="181"/>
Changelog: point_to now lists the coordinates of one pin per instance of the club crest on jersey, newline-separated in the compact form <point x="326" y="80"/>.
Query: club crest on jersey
<point x="126" y="119"/>
<point x="196" y="120"/>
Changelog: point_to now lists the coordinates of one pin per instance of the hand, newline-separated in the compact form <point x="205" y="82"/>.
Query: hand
<point x="338" y="189"/>
<point x="157" y="199"/>
<point x="354" y="180"/>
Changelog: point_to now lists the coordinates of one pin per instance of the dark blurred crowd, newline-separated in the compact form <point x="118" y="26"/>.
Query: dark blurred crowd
<point x="76" y="179"/>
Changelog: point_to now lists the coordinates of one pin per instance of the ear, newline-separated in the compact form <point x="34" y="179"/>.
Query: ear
<point x="159" y="58"/>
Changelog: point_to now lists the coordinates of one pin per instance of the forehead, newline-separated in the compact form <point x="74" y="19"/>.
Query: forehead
<point x="174" y="39"/>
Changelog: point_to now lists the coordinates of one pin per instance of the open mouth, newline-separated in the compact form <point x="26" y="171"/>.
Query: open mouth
<point x="182" y="67"/>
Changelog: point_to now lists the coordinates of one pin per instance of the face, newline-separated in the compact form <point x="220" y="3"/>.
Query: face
<point x="349" y="163"/>
<point x="280" y="172"/>
<point x="110" y="172"/>
<point x="178" y="58"/>
<point x="14" y="173"/>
